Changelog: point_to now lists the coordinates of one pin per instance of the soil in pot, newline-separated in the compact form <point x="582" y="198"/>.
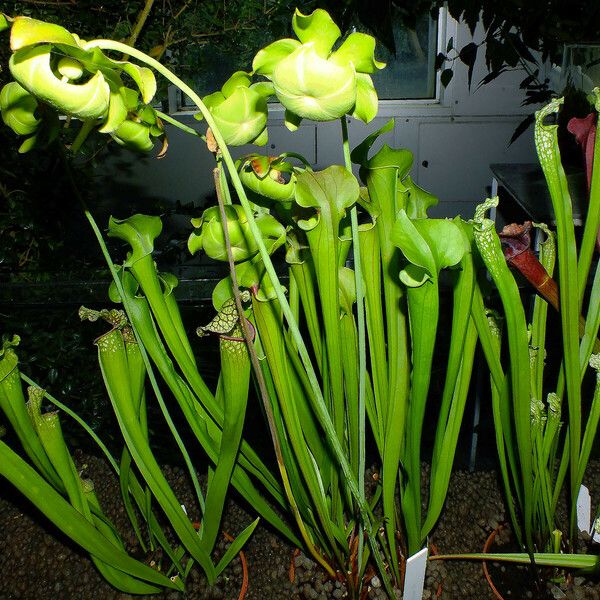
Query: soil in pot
<point x="509" y="580"/>
<point x="38" y="563"/>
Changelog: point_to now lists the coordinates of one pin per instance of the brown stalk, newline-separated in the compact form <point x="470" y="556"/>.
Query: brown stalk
<point x="139" y="25"/>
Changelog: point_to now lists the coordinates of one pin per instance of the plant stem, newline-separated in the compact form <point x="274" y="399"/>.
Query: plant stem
<point x="362" y="353"/>
<point x="169" y="119"/>
<point x="260" y="379"/>
<point x="139" y="25"/>
<point x="82" y="134"/>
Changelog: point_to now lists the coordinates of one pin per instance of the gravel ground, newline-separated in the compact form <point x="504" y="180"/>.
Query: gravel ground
<point x="36" y="562"/>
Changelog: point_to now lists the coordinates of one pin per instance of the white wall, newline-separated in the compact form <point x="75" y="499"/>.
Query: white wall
<point x="454" y="139"/>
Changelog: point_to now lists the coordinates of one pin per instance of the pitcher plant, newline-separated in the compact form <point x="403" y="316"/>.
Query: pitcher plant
<point x="345" y="353"/>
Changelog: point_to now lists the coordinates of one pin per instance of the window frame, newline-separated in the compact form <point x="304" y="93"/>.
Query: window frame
<point x="446" y="28"/>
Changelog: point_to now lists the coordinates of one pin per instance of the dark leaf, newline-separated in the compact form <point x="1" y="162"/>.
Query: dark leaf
<point x="511" y="56"/>
<point x="439" y="60"/>
<point x="487" y="18"/>
<point x="532" y="39"/>
<point x="468" y="55"/>
<point x="446" y="77"/>
<point x="490" y="77"/>
<point x="520" y="47"/>
<point x="528" y="80"/>
<point x="539" y="93"/>
<point x="522" y="128"/>
<point x="471" y="16"/>
<point x="494" y="54"/>
<point x="538" y="97"/>
<point x="450" y="44"/>
<point x="455" y="8"/>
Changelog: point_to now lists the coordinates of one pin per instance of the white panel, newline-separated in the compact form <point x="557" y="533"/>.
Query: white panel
<point x="281" y="139"/>
<point x="329" y="144"/>
<point x="358" y="131"/>
<point x="407" y="135"/>
<point x="185" y="174"/>
<point x="414" y="579"/>
<point x="584" y="509"/>
<point x="329" y="139"/>
<point x="454" y="157"/>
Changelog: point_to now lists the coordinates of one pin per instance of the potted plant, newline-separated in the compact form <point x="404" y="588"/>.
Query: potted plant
<point x="544" y="444"/>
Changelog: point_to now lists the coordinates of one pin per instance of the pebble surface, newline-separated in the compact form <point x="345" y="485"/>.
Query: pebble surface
<point x="38" y="563"/>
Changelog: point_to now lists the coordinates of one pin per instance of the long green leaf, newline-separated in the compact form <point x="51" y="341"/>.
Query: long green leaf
<point x="235" y="377"/>
<point x="549" y="157"/>
<point x="490" y="250"/>
<point x="111" y="355"/>
<point x="71" y="522"/>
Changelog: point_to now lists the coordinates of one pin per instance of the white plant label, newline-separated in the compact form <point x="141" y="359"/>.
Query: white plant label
<point x="584" y="510"/>
<point x="595" y="531"/>
<point x="414" y="578"/>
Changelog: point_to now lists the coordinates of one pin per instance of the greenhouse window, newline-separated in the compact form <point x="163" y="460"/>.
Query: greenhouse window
<point x="410" y="73"/>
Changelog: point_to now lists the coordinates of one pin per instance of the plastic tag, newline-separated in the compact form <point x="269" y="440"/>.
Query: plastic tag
<point x="595" y="530"/>
<point x="584" y="510"/>
<point x="414" y="579"/>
